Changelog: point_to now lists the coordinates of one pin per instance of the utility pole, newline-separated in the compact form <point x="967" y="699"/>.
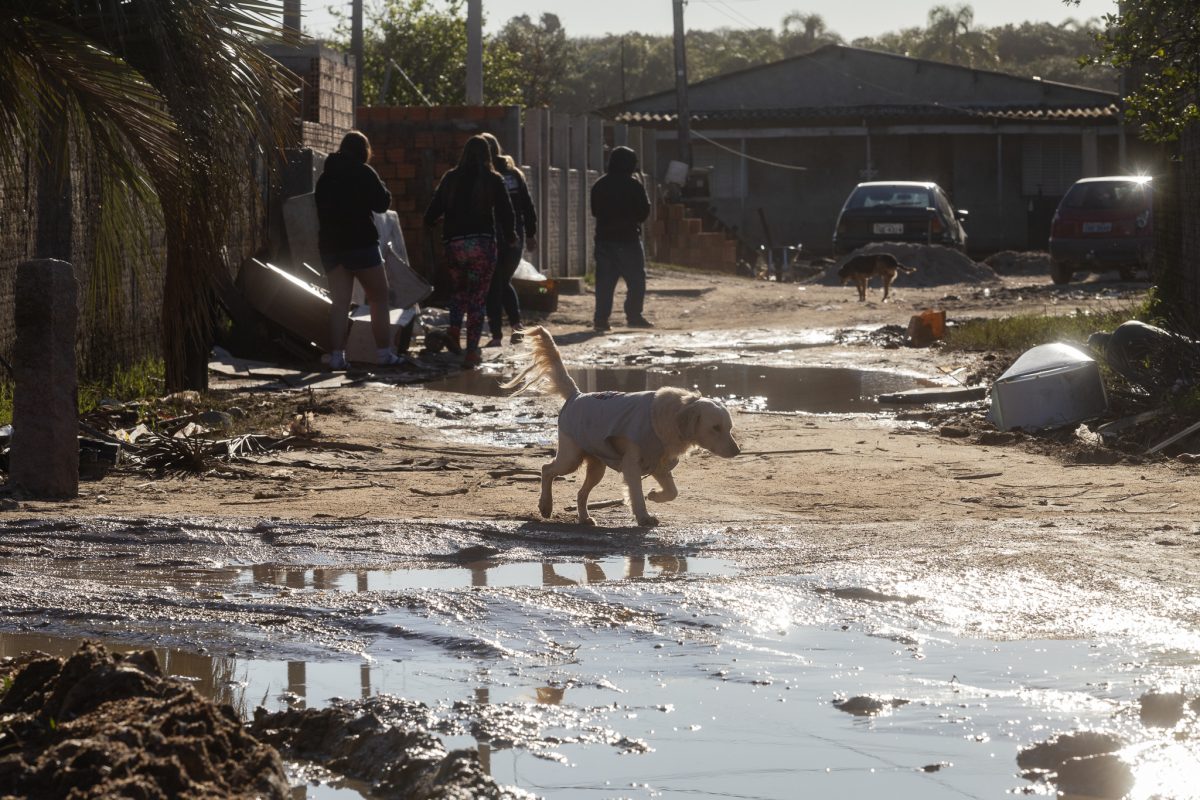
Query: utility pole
<point x="356" y="49"/>
<point x="474" y="52"/>
<point x="622" y="69"/>
<point x="681" y="101"/>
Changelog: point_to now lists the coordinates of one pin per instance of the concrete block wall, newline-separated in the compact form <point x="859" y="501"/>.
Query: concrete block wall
<point x="324" y="80"/>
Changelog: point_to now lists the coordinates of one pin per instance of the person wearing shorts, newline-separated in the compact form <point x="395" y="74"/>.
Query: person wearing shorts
<point x="348" y="195"/>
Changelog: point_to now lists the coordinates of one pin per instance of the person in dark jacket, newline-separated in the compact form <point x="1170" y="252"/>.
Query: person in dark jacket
<point x="472" y="202"/>
<point x="348" y="195"/>
<point x="501" y="296"/>
<point x="620" y="206"/>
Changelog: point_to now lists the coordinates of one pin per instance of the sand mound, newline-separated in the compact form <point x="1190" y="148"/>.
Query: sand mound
<point x="935" y="265"/>
<point x="1013" y="262"/>
<point x="110" y="725"/>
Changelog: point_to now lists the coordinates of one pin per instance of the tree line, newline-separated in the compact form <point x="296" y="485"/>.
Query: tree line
<point x="415" y="52"/>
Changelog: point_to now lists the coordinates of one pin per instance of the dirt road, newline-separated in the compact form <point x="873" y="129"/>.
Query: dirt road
<point x="904" y="542"/>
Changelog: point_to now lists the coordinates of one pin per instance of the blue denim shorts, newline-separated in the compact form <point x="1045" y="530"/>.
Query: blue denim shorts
<point x="357" y="258"/>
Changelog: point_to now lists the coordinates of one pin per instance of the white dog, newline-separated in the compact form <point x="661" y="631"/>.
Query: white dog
<point x="637" y="433"/>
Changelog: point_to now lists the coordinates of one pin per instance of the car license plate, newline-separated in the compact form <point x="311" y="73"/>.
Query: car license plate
<point x="888" y="227"/>
<point x="1097" y="227"/>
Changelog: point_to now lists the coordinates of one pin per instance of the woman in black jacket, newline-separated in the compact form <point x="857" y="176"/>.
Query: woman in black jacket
<point x="348" y="195"/>
<point x="501" y="296"/>
<point x="476" y="210"/>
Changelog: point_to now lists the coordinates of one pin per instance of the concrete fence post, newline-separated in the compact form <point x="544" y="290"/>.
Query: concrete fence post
<point x="561" y="149"/>
<point x="44" y="458"/>
<point x="536" y="150"/>
<point x="579" y="162"/>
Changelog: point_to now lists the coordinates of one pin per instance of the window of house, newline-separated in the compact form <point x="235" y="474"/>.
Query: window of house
<point x="1050" y="164"/>
<point x="724" y="178"/>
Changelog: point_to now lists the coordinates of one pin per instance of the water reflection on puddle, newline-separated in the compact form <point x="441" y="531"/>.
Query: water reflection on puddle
<point x="490" y="573"/>
<point x="808" y="389"/>
<point x="730" y="682"/>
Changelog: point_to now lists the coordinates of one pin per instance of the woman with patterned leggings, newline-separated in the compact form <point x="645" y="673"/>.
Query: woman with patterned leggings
<point x="473" y="204"/>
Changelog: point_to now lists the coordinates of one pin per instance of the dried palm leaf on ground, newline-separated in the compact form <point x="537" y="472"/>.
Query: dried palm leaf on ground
<point x="177" y="454"/>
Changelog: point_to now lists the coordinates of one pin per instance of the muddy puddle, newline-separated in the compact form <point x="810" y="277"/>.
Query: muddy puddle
<point x="818" y="390"/>
<point x="682" y="673"/>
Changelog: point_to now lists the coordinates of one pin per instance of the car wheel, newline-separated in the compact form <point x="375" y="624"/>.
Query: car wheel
<point x="1062" y="271"/>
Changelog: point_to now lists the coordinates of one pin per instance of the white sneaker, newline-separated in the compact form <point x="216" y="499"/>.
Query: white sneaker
<point x="337" y="361"/>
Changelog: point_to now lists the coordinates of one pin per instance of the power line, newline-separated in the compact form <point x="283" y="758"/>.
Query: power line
<point x="747" y="156"/>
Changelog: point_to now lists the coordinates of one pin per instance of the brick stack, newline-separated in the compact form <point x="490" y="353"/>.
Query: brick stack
<point x="413" y="147"/>
<point x="681" y="239"/>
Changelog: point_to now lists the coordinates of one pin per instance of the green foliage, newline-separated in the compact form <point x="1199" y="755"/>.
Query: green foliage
<point x="141" y="381"/>
<point x="1019" y="333"/>
<point x="542" y="57"/>
<point x="162" y="106"/>
<point x="424" y="42"/>
<point x="1187" y="403"/>
<point x="1156" y="43"/>
<point x="6" y="402"/>
<point x="950" y="37"/>
<point x="538" y="63"/>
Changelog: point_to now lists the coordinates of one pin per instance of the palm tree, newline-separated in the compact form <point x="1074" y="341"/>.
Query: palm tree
<point x="949" y="37"/>
<point x="160" y="108"/>
<point x="803" y="33"/>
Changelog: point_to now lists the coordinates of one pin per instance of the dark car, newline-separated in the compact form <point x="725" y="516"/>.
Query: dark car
<point x="898" y="211"/>
<point x="1102" y="222"/>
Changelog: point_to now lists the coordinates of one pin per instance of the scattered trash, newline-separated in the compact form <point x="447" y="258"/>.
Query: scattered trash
<point x="1155" y="359"/>
<point x="926" y="328"/>
<point x="1183" y="434"/>
<point x="1049" y="386"/>
<point x="935" y="394"/>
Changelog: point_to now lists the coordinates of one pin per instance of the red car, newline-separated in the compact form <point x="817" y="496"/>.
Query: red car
<point x="1104" y="222"/>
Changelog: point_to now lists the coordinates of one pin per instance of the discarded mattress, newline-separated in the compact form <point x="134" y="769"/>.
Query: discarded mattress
<point x="1049" y="386"/>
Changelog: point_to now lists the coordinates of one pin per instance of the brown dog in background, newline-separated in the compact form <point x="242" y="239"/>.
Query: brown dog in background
<point x="861" y="269"/>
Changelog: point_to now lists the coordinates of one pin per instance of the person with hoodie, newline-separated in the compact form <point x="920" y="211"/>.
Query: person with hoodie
<point x="473" y="204"/>
<point x="349" y="193"/>
<point x="502" y="296"/>
<point x="620" y="206"/>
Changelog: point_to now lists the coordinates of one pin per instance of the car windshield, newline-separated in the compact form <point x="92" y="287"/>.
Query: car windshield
<point x="1115" y="195"/>
<point x="890" y="196"/>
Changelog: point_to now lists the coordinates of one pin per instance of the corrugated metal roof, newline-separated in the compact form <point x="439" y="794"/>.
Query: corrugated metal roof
<point x="793" y="115"/>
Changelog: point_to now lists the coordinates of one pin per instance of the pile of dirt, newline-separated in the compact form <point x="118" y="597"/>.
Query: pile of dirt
<point x="403" y="760"/>
<point x="935" y="265"/>
<point x="1013" y="262"/>
<point x="102" y="724"/>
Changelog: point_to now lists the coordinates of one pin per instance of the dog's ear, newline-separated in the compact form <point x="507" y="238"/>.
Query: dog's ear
<point x="689" y="419"/>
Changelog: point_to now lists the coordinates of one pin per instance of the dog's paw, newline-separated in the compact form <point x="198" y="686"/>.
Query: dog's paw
<point x="586" y="520"/>
<point x="647" y="521"/>
<point x="546" y="510"/>
<point x="656" y="496"/>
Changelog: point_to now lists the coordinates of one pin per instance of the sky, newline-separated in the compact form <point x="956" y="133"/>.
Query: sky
<point x="849" y="18"/>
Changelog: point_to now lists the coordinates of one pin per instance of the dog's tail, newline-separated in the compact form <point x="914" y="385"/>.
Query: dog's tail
<point x="904" y="269"/>
<point x="547" y="366"/>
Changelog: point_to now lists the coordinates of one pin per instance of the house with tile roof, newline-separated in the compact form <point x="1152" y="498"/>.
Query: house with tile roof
<point x="786" y="142"/>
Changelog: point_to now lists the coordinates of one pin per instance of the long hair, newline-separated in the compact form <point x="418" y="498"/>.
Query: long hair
<point x="356" y="147"/>
<point x="470" y="176"/>
<point x="502" y="161"/>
